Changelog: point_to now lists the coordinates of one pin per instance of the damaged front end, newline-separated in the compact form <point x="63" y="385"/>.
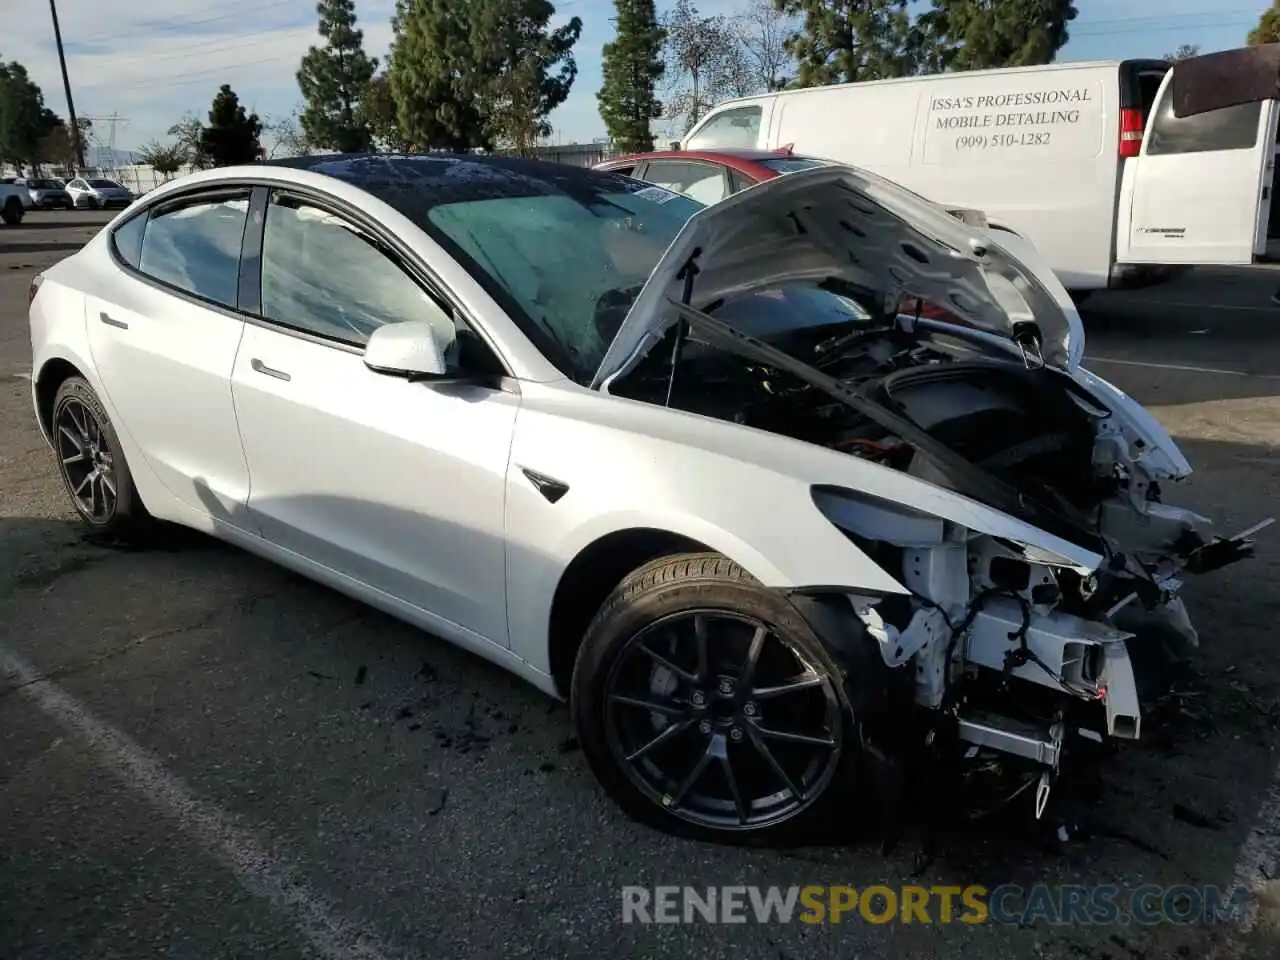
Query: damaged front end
<point x="1041" y="551"/>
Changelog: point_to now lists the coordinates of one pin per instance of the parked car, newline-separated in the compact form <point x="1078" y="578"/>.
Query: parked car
<point x="48" y="194"/>
<point x="1101" y="166"/>
<point x="14" y="201"/>
<point x="681" y="465"/>
<point x="709" y="176"/>
<point x="98" y="193"/>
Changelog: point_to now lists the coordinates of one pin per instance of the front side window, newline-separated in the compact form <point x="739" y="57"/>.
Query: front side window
<point x="194" y="244"/>
<point x="322" y="275"/>
<point x="704" y="182"/>
<point x="738" y="127"/>
<point x="1231" y="128"/>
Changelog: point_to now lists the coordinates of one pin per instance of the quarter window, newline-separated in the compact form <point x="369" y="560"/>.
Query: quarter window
<point x="127" y="239"/>
<point x="1231" y="128"/>
<point x="704" y="182"/>
<point x="739" y="127"/>
<point x="322" y="275"/>
<point x="194" y="244"/>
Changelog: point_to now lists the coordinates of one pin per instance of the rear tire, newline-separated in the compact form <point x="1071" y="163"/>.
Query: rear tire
<point x="678" y="702"/>
<point x="92" y="465"/>
<point x="13" y="212"/>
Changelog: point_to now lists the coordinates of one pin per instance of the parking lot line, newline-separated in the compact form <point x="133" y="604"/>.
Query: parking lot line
<point x="1211" y="307"/>
<point x="1182" y="368"/>
<point x="250" y="859"/>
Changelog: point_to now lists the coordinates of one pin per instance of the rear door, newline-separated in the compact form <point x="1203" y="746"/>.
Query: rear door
<point x="1200" y="190"/>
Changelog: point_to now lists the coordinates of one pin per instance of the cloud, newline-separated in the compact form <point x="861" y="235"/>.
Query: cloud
<point x="152" y="68"/>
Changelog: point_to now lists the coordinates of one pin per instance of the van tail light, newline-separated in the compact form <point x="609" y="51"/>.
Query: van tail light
<point x="1130" y="132"/>
<point x="35" y="288"/>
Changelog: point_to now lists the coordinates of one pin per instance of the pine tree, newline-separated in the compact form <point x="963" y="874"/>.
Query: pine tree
<point x="632" y="67"/>
<point x="440" y="69"/>
<point x="532" y="72"/>
<point x="977" y="35"/>
<point x="333" y="80"/>
<point x="232" y="135"/>
<point x="843" y="41"/>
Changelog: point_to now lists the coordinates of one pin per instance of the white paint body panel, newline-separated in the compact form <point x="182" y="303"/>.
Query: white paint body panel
<point x="396" y="484"/>
<point x="1210" y="207"/>
<point x="950" y="137"/>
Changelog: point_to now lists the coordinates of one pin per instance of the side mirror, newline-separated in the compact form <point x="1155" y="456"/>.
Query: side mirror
<point x="409" y="349"/>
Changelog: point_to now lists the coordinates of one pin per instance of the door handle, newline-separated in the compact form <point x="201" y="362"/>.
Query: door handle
<point x="261" y="367"/>
<point x="111" y="321"/>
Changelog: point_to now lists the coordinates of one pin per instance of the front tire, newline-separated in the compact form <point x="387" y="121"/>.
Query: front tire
<point x="92" y="464"/>
<point x="707" y="707"/>
<point x="13" y="212"/>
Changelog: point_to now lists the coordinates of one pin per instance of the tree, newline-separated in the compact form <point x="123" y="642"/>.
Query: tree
<point x="843" y="41"/>
<point x="286" y="136"/>
<point x="24" y="119"/>
<point x="1184" y="52"/>
<point x="632" y="67"/>
<point x="978" y="35"/>
<point x="378" y="111"/>
<point x="57" y="146"/>
<point x="705" y="63"/>
<point x="232" y="135"/>
<point x="1268" y="28"/>
<point x="188" y="133"/>
<point x="531" y="71"/>
<point x="439" y="73"/>
<point x="762" y="33"/>
<point x="165" y="158"/>
<point x="333" y="80"/>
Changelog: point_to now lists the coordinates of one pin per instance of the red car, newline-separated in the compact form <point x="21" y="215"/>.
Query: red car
<point x="709" y="175"/>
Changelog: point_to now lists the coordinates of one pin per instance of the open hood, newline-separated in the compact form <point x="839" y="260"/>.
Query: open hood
<point x="839" y="221"/>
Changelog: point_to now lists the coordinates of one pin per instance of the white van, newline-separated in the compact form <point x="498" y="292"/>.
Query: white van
<point x="1091" y="162"/>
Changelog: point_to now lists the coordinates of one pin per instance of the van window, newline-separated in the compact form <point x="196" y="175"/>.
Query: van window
<point x="739" y="127"/>
<point x="1231" y="128"/>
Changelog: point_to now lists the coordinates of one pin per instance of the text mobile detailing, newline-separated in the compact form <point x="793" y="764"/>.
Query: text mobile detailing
<point x="1064" y="114"/>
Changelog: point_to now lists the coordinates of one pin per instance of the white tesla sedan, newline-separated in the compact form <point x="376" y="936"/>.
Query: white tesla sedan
<point x="691" y="469"/>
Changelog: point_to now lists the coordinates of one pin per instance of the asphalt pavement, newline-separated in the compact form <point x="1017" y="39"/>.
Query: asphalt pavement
<point x="204" y="756"/>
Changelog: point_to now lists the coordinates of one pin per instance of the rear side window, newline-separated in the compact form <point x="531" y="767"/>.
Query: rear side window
<point x="739" y="127"/>
<point x="1232" y="128"/>
<point x="704" y="182"/>
<point x="127" y="239"/>
<point x="194" y="244"/>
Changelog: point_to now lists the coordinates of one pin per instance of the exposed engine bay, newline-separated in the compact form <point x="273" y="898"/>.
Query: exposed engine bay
<point x="1013" y="651"/>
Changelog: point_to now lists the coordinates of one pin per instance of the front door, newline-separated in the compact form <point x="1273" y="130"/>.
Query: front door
<point x="396" y="484"/>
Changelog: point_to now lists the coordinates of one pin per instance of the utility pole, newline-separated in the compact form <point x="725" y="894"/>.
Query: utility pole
<point x="66" y="86"/>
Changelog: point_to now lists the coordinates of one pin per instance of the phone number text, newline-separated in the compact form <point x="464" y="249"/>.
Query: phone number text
<point x="997" y="141"/>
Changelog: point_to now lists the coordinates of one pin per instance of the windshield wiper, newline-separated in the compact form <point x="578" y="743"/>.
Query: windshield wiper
<point x="1066" y="522"/>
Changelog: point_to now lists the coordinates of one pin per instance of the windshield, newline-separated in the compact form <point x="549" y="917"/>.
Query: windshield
<point x="103" y="183"/>
<point x="571" y="263"/>
<point x="790" y="164"/>
<point x="43" y="185"/>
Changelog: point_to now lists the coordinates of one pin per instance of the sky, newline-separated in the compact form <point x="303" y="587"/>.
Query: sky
<point x="149" y="67"/>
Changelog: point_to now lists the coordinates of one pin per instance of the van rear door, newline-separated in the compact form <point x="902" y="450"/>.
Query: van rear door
<point x="1199" y="192"/>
